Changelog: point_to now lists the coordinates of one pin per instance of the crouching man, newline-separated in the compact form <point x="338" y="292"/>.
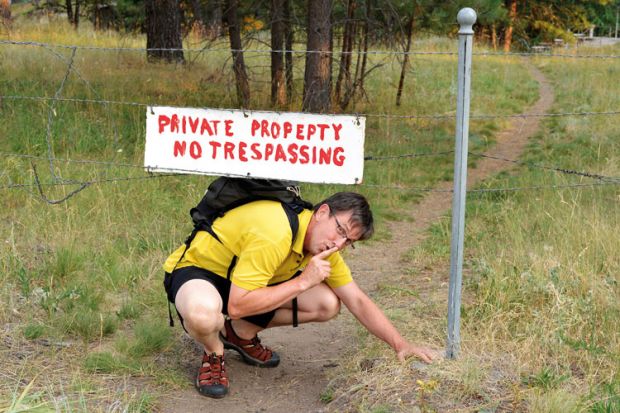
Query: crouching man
<point x="258" y="275"/>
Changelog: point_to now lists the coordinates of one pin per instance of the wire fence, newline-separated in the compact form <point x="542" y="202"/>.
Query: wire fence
<point x="442" y="117"/>
<point x="79" y="185"/>
<point x="305" y="52"/>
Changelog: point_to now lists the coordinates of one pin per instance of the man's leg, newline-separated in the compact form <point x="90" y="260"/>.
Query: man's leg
<point x="317" y="304"/>
<point x="200" y="305"/>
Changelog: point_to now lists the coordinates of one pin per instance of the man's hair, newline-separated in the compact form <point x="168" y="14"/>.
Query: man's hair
<point x="357" y="204"/>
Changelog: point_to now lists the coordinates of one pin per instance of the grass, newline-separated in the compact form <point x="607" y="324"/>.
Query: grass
<point x="87" y="272"/>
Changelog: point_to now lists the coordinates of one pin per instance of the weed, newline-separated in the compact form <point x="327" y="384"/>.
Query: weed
<point x="89" y="324"/>
<point x="606" y="399"/>
<point x="396" y="290"/>
<point x="31" y="403"/>
<point x="128" y="311"/>
<point x="546" y="379"/>
<point x="149" y="337"/>
<point x="23" y="277"/>
<point x="472" y="378"/>
<point x="33" y="331"/>
<point x="65" y="262"/>
<point x="554" y="401"/>
<point x="382" y="409"/>
<point x="425" y="389"/>
<point x="327" y="395"/>
<point x="100" y="363"/>
<point x="144" y="403"/>
<point x="26" y="401"/>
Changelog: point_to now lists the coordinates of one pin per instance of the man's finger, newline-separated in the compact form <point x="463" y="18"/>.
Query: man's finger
<point x="425" y="358"/>
<point x="327" y="253"/>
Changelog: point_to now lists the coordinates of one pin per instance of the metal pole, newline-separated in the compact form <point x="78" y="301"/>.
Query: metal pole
<point x="466" y="18"/>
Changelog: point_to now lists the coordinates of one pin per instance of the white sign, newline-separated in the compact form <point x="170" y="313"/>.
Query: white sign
<point x="292" y="146"/>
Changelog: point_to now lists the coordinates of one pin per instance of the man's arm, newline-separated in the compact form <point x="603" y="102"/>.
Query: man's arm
<point x="371" y="317"/>
<point x="242" y="303"/>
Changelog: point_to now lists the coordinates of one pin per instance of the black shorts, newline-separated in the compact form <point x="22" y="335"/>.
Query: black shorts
<point x="222" y="285"/>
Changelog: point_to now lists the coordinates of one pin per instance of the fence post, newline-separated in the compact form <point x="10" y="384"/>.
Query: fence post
<point x="466" y="18"/>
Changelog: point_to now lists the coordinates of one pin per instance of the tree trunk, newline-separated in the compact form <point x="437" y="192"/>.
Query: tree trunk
<point x="234" y="33"/>
<point x="288" y="45"/>
<point x="512" y="13"/>
<point x="5" y="11"/>
<point x="69" y="11"/>
<point x="360" y="83"/>
<point x="494" y="36"/>
<point x="199" y="22"/>
<point x="96" y="16"/>
<point x="278" y="86"/>
<point x="401" y="82"/>
<point x="76" y="15"/>
<point x="317" y="76"/>
<point x="163" y="31"/>
<point x="214" y="19"/>
<point x="350" y="91"/>
<point x="344" y="72"/>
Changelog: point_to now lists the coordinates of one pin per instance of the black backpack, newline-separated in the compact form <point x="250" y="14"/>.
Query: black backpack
<point x="226" y="193"/>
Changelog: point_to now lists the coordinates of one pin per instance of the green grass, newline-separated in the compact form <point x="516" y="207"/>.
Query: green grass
<point x="88" y="270"/>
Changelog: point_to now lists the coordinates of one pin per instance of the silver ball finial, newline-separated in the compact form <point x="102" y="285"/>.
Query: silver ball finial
<point x="466" y="18"/>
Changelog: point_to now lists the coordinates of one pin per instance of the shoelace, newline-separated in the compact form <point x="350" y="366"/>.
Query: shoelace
<point x="265" y="353"/>
<point x="212" y="370"/>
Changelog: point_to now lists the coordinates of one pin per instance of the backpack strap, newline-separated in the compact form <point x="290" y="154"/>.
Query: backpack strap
<point x="293" y="219"/>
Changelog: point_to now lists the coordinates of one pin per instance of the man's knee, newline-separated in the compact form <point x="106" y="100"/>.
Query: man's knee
<point x="202" y="319"/>
<point x="329" y="307"/>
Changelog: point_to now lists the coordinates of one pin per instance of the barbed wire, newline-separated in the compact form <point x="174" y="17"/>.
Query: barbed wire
<point x="549" y="168"/>
<point x="91" y="182"/>
<point x="129" y="165"/>
<point x="269" y="51"/>
<point x="366" y="158"/>
<point x="76" y="100"/>
<point x="543" y="187"/>
<point x="85" y="184"/>
<point x="67" y="160"/>
<point x="406" y="155"/>
<point x="367" y="115"/>
<point x="505" y="189"/>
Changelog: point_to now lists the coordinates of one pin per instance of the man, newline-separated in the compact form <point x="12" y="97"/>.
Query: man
<point x="257" y="268"/>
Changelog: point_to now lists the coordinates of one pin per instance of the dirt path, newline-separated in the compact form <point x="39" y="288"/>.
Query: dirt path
<point x="309" y="351"/>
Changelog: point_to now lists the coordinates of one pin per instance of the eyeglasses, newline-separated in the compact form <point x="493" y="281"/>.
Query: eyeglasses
<point x="343" y="233"/>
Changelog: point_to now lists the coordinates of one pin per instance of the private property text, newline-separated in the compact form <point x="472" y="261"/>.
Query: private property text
<point x="278" y="141"/>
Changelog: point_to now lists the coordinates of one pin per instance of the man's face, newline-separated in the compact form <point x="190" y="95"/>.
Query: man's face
<point x="327" y="230"/>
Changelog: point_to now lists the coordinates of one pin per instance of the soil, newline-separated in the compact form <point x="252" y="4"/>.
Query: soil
<point x="309" y="351"/>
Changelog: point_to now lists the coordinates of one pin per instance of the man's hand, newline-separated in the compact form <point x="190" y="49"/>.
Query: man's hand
<point x="425" y="354"/>
<point x="318" y="269"/>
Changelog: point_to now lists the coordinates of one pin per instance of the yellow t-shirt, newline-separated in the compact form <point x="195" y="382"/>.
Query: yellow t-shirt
<point x="259" y="235"/>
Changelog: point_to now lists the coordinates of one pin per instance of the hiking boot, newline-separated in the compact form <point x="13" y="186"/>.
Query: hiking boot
<point x="212" y="380"/>
<point x="252" y="351"/>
